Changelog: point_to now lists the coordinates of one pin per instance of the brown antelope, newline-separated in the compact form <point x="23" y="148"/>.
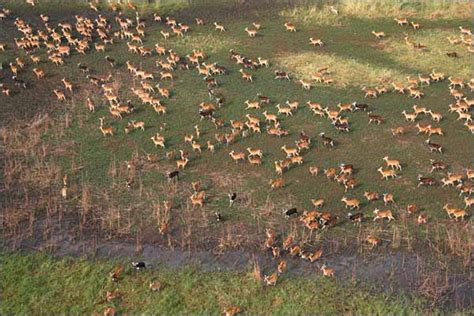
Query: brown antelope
<point x="219" y="27"/>
<point x="252" y="104"/>
<point x="392" y="163"/>
<point x="470" y="126"/>
<point x="137" y="124"/>
<point x="251" y="32"/>
<point x="290" y="152"/>
<point x="386" y="174"/>
<point x="401" y="21"/>
<point x="236" y="156"/>
<point x="316" y="42"/>
<point x="198" y="198"/>
<point x="373" y="240"/>
<point x="271" y="118"/>
<point x="435" y="116"/>
<point x="370" y="92"/>
<point x="196" y="146"/>
<point x="90" y="105"/>
<point x="371" y="196"/>
<point x="397" y="131"/>
<point x="59" y="95"/>
<point x="181" y="163"/>
<point x="39" y="73"/>
<point x="327" y="272"/>
<point x="424" y="79"/>
<point x="158" y="140"/>
<point x="210" y="146"/>
<point x="278" y="168"/>
<point x="468" y="201"/>
<point x="459" y="213"/>
<point x="414" y="25"/>
<point x="246" y="76"/>
<point x="383" y="214"/>
<point x="255" y="152"/>
<point x="388" y="198"/>
<point x="351" y="203"/>
<point x="166" y="75"/>
<point x="285" y="110"/>
<point x="306" y="84"/>
<point x="435" y="130"/>
<point x="160" y="109"/>
<point x="290" y="27"/>
<point x="464" y="116"/>
<point x="378" y="35"/>
<point x="400" y="88"/>
<point x="425" y="129"/>
<point x="409" y="117"/>
<point x="105" y="130"/>
<point x="67" y="84"/>
<point x="454" y="82"/>
<point x="437" y="76"/>
<point x="277" y="183"/>
<point x="465" y="30"/>
<point x="271" y="280"/>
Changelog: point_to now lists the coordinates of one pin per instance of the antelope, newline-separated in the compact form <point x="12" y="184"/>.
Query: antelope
<point x="415" y="93"/>
<point x="425" y="129"/>
<point x="371" y="196"/>
<point x="165" y="75"/>
<point x="271" y="280"/>
<point x="59" y="95"/>
<point x="388" y="198"/>
<point x="263" y="62"/>
<point x="67" y="84"/>
<point x="278" y="168"/>
<point x="400" y="88"/>
<point x="160" y="109"/>
<point x="464" y="116"/>
<point x="397" y="131"/>
<point x="196" y="146"/>
<point x="470" y="126"/>
<point x="458" y="213"/>
<point x="383" y="214"/>
<point x="99" y="47"/>
<point x="425" y="181"/>
<point x="351" y="203"/>
<point x="391" y="163"/>
<point x="286" y="110"/>
<point x="378" y="35"/>
<point x="251" y="32"/>
<point x="39" y="73"/>
<point x="435" y="116"/>
<point x="290" y="152"/>
<point x="219" y="27"/>
<point x="437" y="76"/>
<point x="246" y="76"/>
<point x="290" y="27"/>
<point x="210" y="146"/>
<point x="437" y="165"/>
<point x="277" y="183"/>
<point x="409" y="117"/>
<point x="327" y="272"/>
<point x="158" y="140"/>
<point x="414" y="25"/>
<point x="181" y="163"/>
<point x="466" y="31"/>
<point x="470" y="174"/>
<point x="375" y="118"/>
<point x="255" y="152"/>
<point x="370" y="92"/>
<point x="327" y="140"/>
<point x="373" y="241"/>
<point x="198" y="198"/>
<point x="433" y="147"/>
<point x="90" y="105"/>
<point x="316" y="42"/>
<point x="252" y="104"/>
<point x="468" y="201"/>
<point x="271" y="118"/>
<point x="305" y="84"/>
<point x="424" y="79"/>
<point x="386" y="174"/>
<point x="255" y="160"/>
<point x="105" y="130"/>
<point x="401" y="21"/>
<point x="236" y="156"/>
<point x="138" y="124"/>
<point x="199" y="21"/>
<point x="435" y="130"/>
<point x="454" y="82"/>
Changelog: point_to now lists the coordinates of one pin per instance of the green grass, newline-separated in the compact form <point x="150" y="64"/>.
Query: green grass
<point x="40" y="284"/>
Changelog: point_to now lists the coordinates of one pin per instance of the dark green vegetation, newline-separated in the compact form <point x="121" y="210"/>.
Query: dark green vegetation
<point x="68" y="141"/>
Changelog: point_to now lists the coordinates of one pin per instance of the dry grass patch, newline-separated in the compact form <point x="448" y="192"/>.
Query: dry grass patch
<point x="344" y="71"/>
<point x="435" y="54"/>
<point x="321" y="14"/>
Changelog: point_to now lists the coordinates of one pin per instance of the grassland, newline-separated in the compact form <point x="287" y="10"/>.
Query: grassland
<point x="52" y="288"/>
<point x="40" y="149"/>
